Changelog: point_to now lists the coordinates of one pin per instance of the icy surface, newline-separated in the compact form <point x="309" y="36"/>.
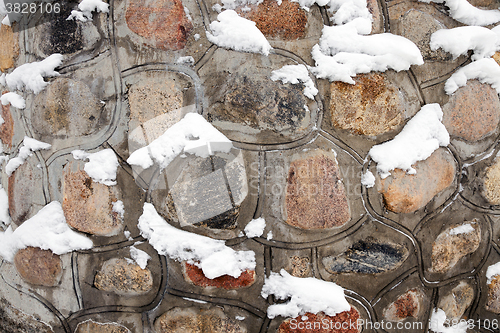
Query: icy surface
<point x="211" y="255"/>
<point x="13" y="99"/>
<point x="140" y="257"/>
<point x="29" y="146"/>
<point x="485" y="70"/>
<point x="101" y="166"/>
<point x="296" y="74"/>
<point x="368" y="179"/>
<point x="192" y="134"/>
<point x="304" y="294"/>
<point x="86" y="8"/>
<point x="47" y="230"/>
<point x="232" y="31"/>
<point x="462" y="229"/>
<point x="438" y="318"/>
<point x="255" y="228"/>
<point x="420" y="137"/>
<point x="464" y="12"/>
<point x="492" y="271"/>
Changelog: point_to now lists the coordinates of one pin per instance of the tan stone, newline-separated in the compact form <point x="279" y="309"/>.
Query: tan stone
<point x="405" y="193"/>
<point x="7" y="128"/>
<point x="88" y="205"/>
<point x="9" y="47"/>
<point x="457" y="301"/>
<point x="406" y="305"/>
<point x="473" y="112"/>
<point x="493" y="300"/>
<point x="90" y="326"/>
<point x="372" y="106"/>
<point x="299" y="266"/>
<point x="21" y="191"/>
<point x="449" y="247"/>
<point x="315" y="194"/>
<point x="13" y="320"/>
<point x="123" y="278"/>
<point x="492" y="183"/>
<point x="39" y="267"/>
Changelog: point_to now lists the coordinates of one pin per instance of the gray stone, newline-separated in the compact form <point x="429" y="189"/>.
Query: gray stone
<point x="123" y="278"/>
<point x="457" y="301"/>
<point x="90" y="326"/>
<point x="13" y="320"/>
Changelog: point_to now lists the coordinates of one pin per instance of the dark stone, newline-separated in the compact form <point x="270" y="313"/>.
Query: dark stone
<point x="367" y="257"/>
<point x="195" y="275"/>
<point x="13" y="320"/>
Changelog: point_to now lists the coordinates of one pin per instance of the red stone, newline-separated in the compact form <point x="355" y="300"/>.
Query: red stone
<point x="344" y="322"/>
<point x="195" y="276"/>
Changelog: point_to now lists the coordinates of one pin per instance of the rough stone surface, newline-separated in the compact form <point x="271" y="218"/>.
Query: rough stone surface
<point x="163" y="23"/>
<point x="13" y="320"/>
<point x="371" y="107"/>
<point x="310" y="325"/>
<point x="315" y="194"/>
<point x="7" y="128"/>
<point x="493" y="300"/>
<point x="123" y="278"/>
<point x="473" y="112"/>
<point x="407" y="305"/>
<point x="448" y="248"/>
<point x="88" y="205"/>
<point x="367" y="257"/>
<point x="39" y="267"/>
<point x="492" y="183"/>
<point x="457" y="301"/>
<point x="192" y="320"/>
<point x="10" y="47"/>
<point x="21" y="194"/>
<point x="195" y="275"/>
<point x="90" y="326"/>
<point x="405" y="193"/>
<point x="66" y="108"/>
<point x="286" y="21"/>
<point x="299" y="266"/>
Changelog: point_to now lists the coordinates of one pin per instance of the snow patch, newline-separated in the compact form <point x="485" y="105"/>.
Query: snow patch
<point x="485" y="70"/>
<point x="101" y="166"/>
<point x="255" y="228"/>
<point x="13" y="99"/>
<point x="462" y="229"/>
<point x="188" y="60"/>
<point x="368" y="179"/>
<point x="29" y="146"/>
<point x="464" y="12"/>
<point x="119" y="208"/>
<point x="139" y="256"/>
<point x="86" y="8"/>
<point x="438" y="318"/>
<point x="493" y="271"/>
<point x="4" y="207"/>
<point x="296" y="74"/>
<point x="233" y="4"/>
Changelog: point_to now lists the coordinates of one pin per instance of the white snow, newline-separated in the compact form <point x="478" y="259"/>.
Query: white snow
<point x="239" y="318"/>
<point x="31" y="75"/>
<point x="485" y="70"/>
<point x="464" y="12"/>
<point x="86" y="8"/>
<point x="307" y="4"/>
<point x="269" y="235"/>
<point x="13" y="99"/>
<point x="189" y="60"/>
<point x="493" y="271"/>
<point x="368" y="179"/>
<point x="296" y="74"/>
<point x="4" y="207"/>
<point x="194" y="300"/>
<point x="119" y="208"/>
<point x="255" y="228"/>
<point x="304" y="294"/>
<point x="101" y="166"/>
<point x="47" y="230"/>
<point x="139" y="256"/>
<point x="126" y="233"/>
<point x="29" y="146"/>
<point x="196" y="36"/>
<point x="192" y="134"/>
<point x="462" y="229"/>
<point x="211" y="255"/>
<point x="233" y="4"/>
<point x="437" y="320"/>
<point x="348" y="10"/>
<point x="232" y="31"/>
<point x="420" y="137"/>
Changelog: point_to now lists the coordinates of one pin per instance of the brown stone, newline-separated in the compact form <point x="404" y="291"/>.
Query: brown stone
<point x="39" y="267"/>
<point x="195" y="275"/>
<point x="449" y="248"/>
<point x="285" y="21"/>
<point x="372" y="106"/>
<point x="493" y="301"/>
<point x="407" y="305"/>
<point x="192" y="320"/>
<point x="405" y="193"/>
<point x="162" y="23"/>
<point x="7" y="128"/>
<point x="315" y="194"/>
<point x="9" y="47"/>
<point x="496" y="56"/>
<point x="88" y="205"/>
<point x="21" y="192"/>
<point x="378" y="19"/>
<point x="13" y="320"/>
<point x="299" y="266"/>
<point x="90" y="326"/>
<point x="457" y="301"/>
<point x="492" y="183"/>
<point x="123" y="278"/>
<point x="347" y="321"/>
<point x="473" y="112"/>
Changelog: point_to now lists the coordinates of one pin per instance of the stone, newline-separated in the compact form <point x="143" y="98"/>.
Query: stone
<point x="299" y="266"/>
<point x="286" y="21"/>
<point x="378" y="20"/>
<point x="473" y="112"/>
<point x="195" y="275"/>
<point x="39" y="267"/>
<point x="315" y="194"/>
<point x="493" y="300"/>
<point x="406" y="305"/>
<point x="9" y="49"/>
<point x="123" y="278"/>
<point x="13" y="320"/>
<point x="90" y="326"/>
<point x="192" y="320"/>
<point x="88" y="205"/>
<point x="491" y="181"/>
<point x="449" y="246"/>
<point x="367" y="257"/>
<point x="21" y="191"/>
<point x="496" y="56"/>
<point x="7" y="128"/>
<point x="405" y="193"/>
<point x="344" y="322"/>
<point x="457" y="301"/>
<point x="372" y="106"/>
<point x="162" y="23"/>
<point x="418" y="27"/>
<point x="66" y="108"/>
